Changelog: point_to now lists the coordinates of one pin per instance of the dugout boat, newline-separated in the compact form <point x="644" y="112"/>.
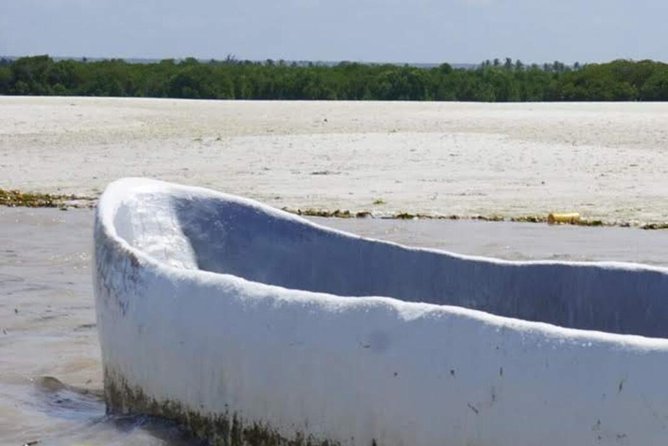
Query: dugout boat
<point x="253" y="326"/>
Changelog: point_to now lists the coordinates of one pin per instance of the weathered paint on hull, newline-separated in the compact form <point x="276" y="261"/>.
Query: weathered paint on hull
<point x="238" y="321"/>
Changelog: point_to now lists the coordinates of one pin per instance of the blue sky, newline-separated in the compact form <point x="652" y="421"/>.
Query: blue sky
<point x="424" y="31"/>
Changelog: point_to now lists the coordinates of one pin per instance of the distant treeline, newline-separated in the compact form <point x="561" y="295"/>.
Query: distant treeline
<point x="492" y="81"/>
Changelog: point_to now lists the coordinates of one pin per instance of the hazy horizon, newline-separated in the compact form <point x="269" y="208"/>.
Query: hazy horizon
<point x="221" y="59"/>
<point x="453" y="64"/>
<point x="368" y="31"/>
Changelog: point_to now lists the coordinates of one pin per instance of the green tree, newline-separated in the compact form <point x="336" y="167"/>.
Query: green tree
<point x="192" y="80"/>
<point x="5" y="77"/>
<point x="656" y="87"/>
<point x="29" y="75"/>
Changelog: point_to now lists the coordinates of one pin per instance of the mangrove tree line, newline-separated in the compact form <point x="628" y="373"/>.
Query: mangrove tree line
<point x="491" y="81"/>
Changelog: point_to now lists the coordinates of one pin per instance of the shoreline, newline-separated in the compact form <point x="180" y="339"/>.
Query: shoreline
<point x="518" y="162"/>
<point x="17" y="198"/>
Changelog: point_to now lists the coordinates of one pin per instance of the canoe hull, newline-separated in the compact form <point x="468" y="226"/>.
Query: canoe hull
<point x="241" y="362"/>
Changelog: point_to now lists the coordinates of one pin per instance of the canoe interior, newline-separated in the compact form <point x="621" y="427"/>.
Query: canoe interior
<point x="228" y="236"/>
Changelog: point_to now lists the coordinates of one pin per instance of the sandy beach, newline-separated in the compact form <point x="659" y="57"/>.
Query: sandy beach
<point x="607" y="161"/>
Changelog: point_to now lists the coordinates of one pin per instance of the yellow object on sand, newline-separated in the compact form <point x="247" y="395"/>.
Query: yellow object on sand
<point x="569" y="217"/>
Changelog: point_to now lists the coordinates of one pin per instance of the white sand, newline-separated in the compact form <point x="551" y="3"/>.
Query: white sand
<point x="607" y="161"/>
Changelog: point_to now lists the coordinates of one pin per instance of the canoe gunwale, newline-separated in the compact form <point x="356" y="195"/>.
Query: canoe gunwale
<point x="122" y="188"/>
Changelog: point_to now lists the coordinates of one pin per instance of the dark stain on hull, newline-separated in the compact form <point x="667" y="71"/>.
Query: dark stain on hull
<point x="226" y="429"/>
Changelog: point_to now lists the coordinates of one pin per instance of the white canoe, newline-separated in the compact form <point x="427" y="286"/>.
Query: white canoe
<point x="253" y="326"/>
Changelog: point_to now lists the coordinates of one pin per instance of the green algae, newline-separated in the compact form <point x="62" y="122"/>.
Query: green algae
<point x="224" y="429"/>
<point x="654" y="226"/>
<point x="404" y="216"/>
<point x="17" y="198"/>
<point x="532" y="218"/>
<point x="337" y="213"/>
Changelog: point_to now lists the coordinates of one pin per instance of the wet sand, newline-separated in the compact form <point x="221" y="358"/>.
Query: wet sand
<point x="47" y="321"/>
<point x="608" y="161"/>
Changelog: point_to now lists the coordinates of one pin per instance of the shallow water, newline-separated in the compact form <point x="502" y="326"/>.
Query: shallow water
<point x="50" y="373"/>
<point x="48" y="337"/>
